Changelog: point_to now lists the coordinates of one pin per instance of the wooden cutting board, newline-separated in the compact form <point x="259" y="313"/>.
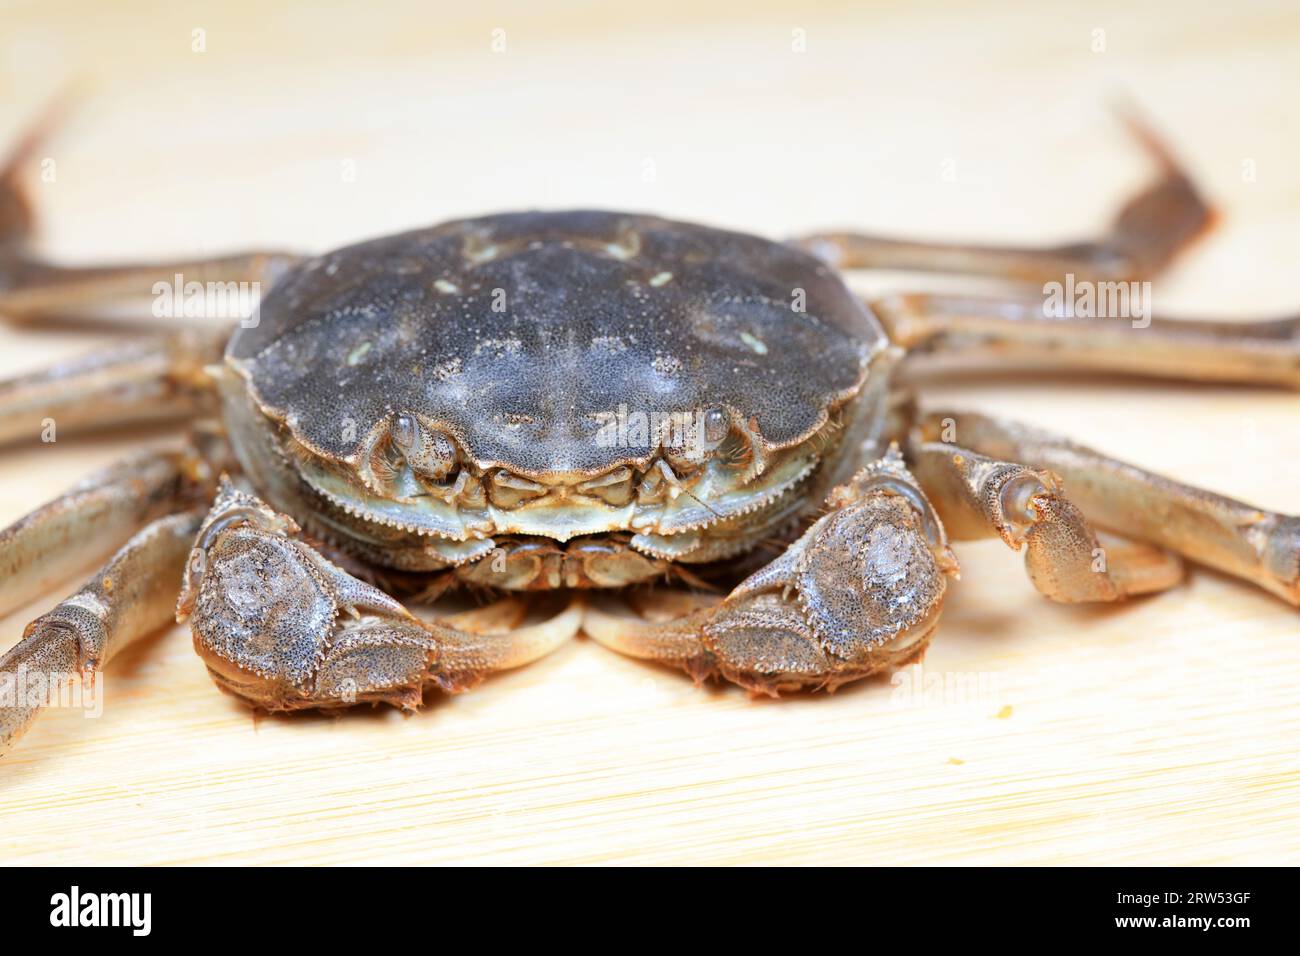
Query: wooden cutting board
<point x="1164" y="731"/>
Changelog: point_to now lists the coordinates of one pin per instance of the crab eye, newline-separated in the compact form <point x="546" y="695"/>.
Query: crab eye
<point x="716" y="426"/>
<point x="430" y="454"/>
<point x="405" y="432"/>
<point x="703" y="435"/>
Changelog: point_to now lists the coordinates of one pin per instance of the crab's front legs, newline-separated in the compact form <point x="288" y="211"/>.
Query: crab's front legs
<point x="860" y="592"/>
<point x="282" y="627"/>
<point x="129" y="597"/>
<point x="1066" y="558"/>
<point x="1164" y="518"/>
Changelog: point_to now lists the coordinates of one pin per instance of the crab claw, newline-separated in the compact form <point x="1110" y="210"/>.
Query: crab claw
<point x="282" y="627"/>
<point x="860" y="592"/>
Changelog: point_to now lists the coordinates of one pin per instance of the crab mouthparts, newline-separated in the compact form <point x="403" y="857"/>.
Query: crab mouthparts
<point x="659" y="499"/>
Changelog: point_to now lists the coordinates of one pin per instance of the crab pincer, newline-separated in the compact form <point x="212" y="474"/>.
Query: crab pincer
<point x="861" y="591"/>
<point x="284" y="628"/>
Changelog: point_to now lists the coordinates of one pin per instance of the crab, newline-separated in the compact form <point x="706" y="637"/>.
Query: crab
<point x="601" y="406"/>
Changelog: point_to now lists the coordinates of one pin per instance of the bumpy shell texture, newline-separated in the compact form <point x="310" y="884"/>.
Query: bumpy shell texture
<point x="520" y="334"/>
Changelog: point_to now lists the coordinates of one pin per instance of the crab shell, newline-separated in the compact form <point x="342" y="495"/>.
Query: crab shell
<point x="552" y="354"/>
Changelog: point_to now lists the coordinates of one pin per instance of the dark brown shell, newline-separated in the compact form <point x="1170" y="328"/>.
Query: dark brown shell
<point x="601" y="310"/>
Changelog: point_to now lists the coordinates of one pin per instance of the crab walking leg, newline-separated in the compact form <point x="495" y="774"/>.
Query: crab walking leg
<point x="283" y="628"/>
<point x="154" y="379"/>
<point x="30" y="287"/>
<point x="988" y="332"/>
<point x="1150" y="229"/>
<point x="979" y="497"/>
<point x="859" y="592"/>
<point x="1259" y="546"/>
<point x="86" y="523"/>
<point x="16" y="216"/>
<point x="133" y="595"/>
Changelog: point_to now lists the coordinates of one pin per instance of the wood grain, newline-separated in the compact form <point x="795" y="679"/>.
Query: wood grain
<point x="1165" y="731"/>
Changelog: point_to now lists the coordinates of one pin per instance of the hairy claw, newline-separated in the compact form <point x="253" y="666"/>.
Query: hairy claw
<point x="858" y="593"/>
<point x="284" y="628"/>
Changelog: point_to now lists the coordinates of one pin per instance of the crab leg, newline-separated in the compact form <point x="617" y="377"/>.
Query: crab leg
<point x="86" y="523"/>
<point x="1150" y="229"/>
<point x="36" y="289"/>
<point x="30" y="287"/>
<point x="16" y="216"/>
<point x="153" y="379"/>
<point x="1262" y="547"/>
<point x="979" y="497"/>
<point x="1001" y="331"/>
<point x="284" y="628"/>
<point x="133" y="595"/>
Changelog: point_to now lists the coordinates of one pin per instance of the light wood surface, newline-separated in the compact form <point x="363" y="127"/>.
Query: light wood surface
<point x="1165" y="731"/>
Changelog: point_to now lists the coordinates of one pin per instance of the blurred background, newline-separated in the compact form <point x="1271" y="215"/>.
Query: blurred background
<point x="205" y="127"/>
